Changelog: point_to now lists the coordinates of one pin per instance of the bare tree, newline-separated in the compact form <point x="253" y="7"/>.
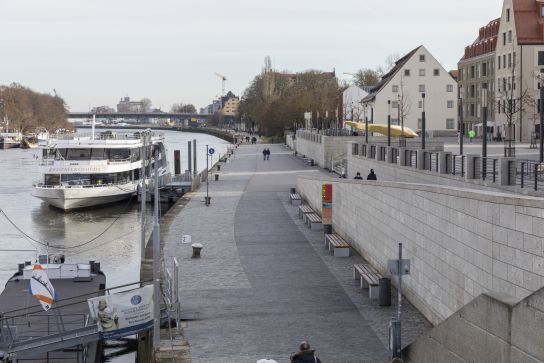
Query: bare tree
<point x="366" y="77"/>
<point x="146" y="104"/>
<point x="183" y="108"/>
<point x="511" y="101"/>
<point x="390" y="61"/>
<point x="404" y="102"/>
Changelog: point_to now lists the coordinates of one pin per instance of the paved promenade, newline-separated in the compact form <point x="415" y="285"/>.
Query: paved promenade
<point x="265" y="282"/>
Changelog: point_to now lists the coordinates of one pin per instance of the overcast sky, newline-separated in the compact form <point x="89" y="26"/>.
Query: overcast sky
<point x="94" y="52"/>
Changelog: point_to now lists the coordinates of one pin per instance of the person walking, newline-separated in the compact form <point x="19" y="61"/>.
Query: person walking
<point x="471" y="135"/>
<point x="358" y="176"/>
<point x="267" y="154"/>
<point x="371" y="176"/>
<point x="305" y="355"/>
<point x="264" y="154"/>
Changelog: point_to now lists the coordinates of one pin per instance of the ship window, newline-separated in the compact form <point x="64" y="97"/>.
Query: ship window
<point x="76" y="179"/>
<point x="135" y="155"/>
<point x="78" y="154"/>
<point x="52" y="179"/>
<point x="99" y="154"/>
<point x="119" y="154"/>
<point x="61" y="154"/>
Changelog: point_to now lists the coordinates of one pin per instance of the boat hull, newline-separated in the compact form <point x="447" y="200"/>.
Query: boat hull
<point x="9" y="145"/>
<point x="69" y="198"/>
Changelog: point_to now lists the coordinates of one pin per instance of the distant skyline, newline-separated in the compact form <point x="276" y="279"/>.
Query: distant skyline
<point x="94" y="53"/>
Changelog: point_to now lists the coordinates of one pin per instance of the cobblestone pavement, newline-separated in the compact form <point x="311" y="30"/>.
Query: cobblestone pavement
<point x="264" y="281"/>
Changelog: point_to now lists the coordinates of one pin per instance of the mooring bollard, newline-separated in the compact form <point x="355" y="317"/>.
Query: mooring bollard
<point x="196" y="250"/>
<point x="293" y="190"/>
<point x="218" y="167"/>
<point x="216" y="177"/>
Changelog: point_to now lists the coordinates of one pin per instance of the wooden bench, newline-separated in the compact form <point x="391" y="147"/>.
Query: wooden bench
<point x="337" y="244"/>
<point x="295" y="199"/>
<point x="369" y="277"/>
<point x="304" y="209"/>
<point x="313" y="221"/>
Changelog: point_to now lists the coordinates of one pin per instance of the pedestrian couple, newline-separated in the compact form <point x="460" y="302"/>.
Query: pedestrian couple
<point x="305" y="355"/>
<point x="266" y="154"/>
<point x="370" y="176"/>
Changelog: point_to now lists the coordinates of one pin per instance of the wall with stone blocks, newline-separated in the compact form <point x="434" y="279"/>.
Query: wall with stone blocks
<point x="331" y="148"/>
<point x="312" y="150"/>
<point x="290" y="141"/>
<point x="462" y="242"/>
<point x="492" y="328"/>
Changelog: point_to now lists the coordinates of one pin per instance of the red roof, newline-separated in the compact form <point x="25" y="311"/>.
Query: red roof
<point x="529" y="22"/>
<point x="486" y="41"/>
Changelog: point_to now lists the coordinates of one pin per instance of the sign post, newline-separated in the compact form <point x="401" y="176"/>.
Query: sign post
<point x="326" y="210"/>
<point x="397" y="267"/>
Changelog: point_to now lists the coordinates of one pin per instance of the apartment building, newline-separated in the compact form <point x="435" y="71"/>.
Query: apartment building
<point x="400" y="93"/>
<point x="476" y="74"/>
<point x="519" y="63"/>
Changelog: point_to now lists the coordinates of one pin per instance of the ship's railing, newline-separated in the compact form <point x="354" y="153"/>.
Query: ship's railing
<point x="83" y="186"/>
<point x="137" y="135"/>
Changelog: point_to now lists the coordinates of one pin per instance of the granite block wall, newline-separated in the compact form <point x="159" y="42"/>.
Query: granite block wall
<point x="462" y="242"/>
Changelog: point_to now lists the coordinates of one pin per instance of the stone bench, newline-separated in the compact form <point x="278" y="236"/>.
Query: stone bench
<point x="369" y="278"/>
<point x="295" y="199"/>
<point x="337" y="244"/>
<point x="313" y="220"/>
<point x="304" y="209"/>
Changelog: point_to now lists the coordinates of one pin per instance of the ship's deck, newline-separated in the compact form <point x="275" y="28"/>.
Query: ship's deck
<point x="32" y="321"/>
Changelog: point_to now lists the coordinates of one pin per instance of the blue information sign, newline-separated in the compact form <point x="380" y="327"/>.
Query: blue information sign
<point x="211" y="151"/>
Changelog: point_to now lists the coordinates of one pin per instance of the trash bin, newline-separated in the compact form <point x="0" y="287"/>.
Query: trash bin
<point x="327" y="228"/>
<point x="218" y="167"/>
<point x="384" y="298"/>
<point x="216" y="177"/>
<point x="196" y="250"/>
<point x="293" y="190"/>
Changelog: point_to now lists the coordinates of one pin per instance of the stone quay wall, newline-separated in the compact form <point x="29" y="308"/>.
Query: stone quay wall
<point x="461" y="242"/>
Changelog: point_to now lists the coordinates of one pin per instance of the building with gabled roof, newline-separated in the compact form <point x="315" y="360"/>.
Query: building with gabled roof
<point x="400" y="94"/>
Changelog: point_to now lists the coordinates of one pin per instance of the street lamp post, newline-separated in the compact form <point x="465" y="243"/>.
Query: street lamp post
<point x="366" y="126"/>
<point x="402" y="141"/>
<point x="388" y="122"/>
<point x="540" y="131"/>
<point x="423" y="123"/>
<point x="484" y="121"/>
<point x="461" y="123"/>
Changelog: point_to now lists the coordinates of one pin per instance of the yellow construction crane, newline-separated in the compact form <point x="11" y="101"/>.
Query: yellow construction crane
<point x="223" y="80"/>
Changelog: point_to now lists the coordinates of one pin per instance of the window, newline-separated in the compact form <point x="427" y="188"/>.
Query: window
<point x="504" y="38"/>
<point x="449" y="88"/>
<point x="499" y="63"/>
<point x="514" y="59"/>
<point x="472" y="72"/>
<point x="422" y="72"/>
<point x="484" y="69"/>
<point x="394" y="121"/>
<point x="395" y="104"/>
<point x="421" y="88"/>
<point x="422" y="57"/>
<point x="472" y="109"/>
<point x="542" y="10"/>
<point x="436" y="72"/>
<point x="450" y="124"/>
<point x="407" y="72"/>
<point x="507" y="15"/>
<point x="504" y="61"/>
<point x="395" y="88"/>
<point x="472" y="90"/>
<point x="541" y="58"/>
<point x="419" y="123"/>
<point x="420" y="104"/>
<point x="450" y="104"/>
<point x="498" y="106"/>
<point x="509" y="36"/>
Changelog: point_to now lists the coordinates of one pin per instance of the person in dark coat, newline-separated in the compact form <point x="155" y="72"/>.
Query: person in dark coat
<point x="267" y="154"/>
<point x="264" y="154"/>
<point x="371" y="176"/>
<point x="358" y="176"/>
<point x="306" y="355"/>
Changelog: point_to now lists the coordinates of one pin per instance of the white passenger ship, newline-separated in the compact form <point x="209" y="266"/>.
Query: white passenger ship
<point x="85" y="171"/>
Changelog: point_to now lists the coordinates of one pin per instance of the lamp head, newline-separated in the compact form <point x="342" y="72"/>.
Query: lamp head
<point x="423" y="95"/>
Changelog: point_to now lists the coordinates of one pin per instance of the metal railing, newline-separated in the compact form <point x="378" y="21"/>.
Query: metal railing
<point x="526" y="173"/>
<point x="489" y="169"/>
<point x="431" y="161"/>
<point x="411" y="158"/>
<point x="458" y="165"/>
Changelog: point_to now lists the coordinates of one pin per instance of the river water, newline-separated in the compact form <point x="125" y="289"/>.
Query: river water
<point x="118" y="249"/>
